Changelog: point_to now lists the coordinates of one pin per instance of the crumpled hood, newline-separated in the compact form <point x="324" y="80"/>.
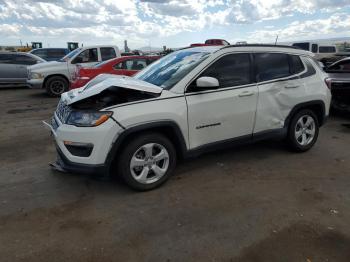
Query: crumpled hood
<point x="103" y="82"/>
<point x="45" y="65"/>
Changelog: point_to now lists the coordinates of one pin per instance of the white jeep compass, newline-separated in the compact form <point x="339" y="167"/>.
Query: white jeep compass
<point x="188" y="102"/>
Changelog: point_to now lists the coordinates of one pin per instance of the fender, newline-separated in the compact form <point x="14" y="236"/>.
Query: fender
<point x="305" y="105"/>
<point x="179" y="140"/>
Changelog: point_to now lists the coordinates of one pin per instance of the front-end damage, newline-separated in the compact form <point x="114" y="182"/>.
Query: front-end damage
<point x="82" y="119"/>
<point x="112" y="96"/>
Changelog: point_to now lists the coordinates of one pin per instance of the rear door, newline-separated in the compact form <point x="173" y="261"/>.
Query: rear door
<point x="279" y="86"/>
<point x="22" y="61"/>
<point x="7" y="68"/>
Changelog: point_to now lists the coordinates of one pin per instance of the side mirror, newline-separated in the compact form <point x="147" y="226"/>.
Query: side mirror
<point x="207" y="82"/>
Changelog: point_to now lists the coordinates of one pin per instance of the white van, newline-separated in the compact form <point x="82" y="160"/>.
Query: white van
<point x="321" y="51"/>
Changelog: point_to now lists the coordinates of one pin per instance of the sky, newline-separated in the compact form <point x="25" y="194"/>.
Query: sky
<point x="173" y="23"/>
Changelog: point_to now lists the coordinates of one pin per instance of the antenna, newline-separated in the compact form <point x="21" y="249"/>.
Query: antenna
<point x="276" y="40"/>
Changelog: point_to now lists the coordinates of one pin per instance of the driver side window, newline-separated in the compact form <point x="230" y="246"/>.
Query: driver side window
<point x="230" y="70"/>
<point x="87" y="56"/>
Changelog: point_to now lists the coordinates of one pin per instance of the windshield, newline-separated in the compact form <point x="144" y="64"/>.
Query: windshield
<point x="169" y="70"/>
<point x="70" y="55"/>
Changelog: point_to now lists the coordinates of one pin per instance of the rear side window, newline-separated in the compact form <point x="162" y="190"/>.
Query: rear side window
<point x="314" y="48"/>
<point x="24" y="60"/>
<point x="107" y="53"/>
<point x="296" y="65"/>
<point x="231" y="70"/>
<point x="271" y="66"/>
<point x="6" y="59"/>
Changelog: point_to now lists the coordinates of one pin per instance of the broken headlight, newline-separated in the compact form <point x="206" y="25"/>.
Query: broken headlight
<point x="88" y="119"/>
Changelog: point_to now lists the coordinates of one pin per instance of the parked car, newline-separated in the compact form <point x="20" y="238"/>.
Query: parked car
<point x="126" y="65"/>
<point x="13" y="68"/>
<point x="339" y="82"/>
<point x="322" y="52"/>
<point x="55" y="76"/>
<point x="186" y="103"/>
<point x="50" y="54"/>
<point x="210" y="42"/>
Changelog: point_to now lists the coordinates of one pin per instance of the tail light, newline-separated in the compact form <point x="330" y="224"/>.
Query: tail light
<point x="328" y="82"/>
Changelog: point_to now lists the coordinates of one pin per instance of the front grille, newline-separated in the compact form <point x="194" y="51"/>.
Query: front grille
<point x="63" y="111"/>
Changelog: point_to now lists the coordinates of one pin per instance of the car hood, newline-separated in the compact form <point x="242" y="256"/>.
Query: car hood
<point x="46" y="65"/>
<point x="105" y="81"/>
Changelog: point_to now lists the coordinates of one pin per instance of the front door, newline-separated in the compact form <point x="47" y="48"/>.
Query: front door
<point x="226" y="112"/>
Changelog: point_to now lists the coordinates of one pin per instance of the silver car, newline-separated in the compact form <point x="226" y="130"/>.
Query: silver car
<point x="13" y="68"/>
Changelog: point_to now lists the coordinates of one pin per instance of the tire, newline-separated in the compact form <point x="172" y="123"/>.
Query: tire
<point x="138" y="164"/>
<point x="56" y="85"/>
<point x="303" y="131"/>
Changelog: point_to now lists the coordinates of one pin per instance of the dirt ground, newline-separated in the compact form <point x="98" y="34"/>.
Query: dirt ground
<point x="254" y="203"/>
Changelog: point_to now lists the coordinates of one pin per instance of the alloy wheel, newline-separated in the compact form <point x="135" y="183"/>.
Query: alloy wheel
<point x="305" y="130"/>
<point x="149" y="163"/>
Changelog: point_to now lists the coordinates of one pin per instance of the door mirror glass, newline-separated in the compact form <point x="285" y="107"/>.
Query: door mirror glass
<point x="207" y="82"/>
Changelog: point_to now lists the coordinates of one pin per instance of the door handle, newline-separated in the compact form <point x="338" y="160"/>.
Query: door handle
<point x="288" y="87"/>
<point x="246" y="93"/>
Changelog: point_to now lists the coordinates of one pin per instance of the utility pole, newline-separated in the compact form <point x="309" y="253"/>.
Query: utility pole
<point x="276" y="40"/>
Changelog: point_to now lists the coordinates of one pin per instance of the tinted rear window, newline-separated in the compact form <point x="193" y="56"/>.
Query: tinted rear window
<point x="297" y="65"/>
<point x="6" y="58"/>
<point x="271" y="66"/>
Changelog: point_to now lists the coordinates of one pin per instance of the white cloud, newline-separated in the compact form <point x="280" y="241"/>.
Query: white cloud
<point x="139" y="21"/>
<point x="335" y="26"/>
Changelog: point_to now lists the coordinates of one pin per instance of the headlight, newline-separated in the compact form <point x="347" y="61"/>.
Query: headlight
<point x="36" y="76"/>
<point x="81" y="118"/>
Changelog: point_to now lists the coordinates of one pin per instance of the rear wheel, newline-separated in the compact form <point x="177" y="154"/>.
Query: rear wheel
<point x="147" y="161"/>
<point x="56" y="85"/>
<point x="303" y="130"/>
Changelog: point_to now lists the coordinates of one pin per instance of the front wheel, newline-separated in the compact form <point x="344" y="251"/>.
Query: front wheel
<point x="147" y="161"/>
<point x="303" y="131"/>
<point x="56" y="85"/>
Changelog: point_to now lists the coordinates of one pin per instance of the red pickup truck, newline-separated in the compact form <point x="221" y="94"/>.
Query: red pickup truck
<point x="126" y="65"/>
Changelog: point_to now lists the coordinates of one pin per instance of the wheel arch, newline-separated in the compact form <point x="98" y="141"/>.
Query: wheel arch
<point x="53" y="75"/>
<point x="168" y="128"/>
<point x="317" y="106"/>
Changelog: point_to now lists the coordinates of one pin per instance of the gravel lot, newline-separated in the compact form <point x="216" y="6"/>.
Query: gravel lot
<point x="254" y="203"/>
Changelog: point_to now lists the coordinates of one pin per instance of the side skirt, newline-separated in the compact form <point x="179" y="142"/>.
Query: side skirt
<point x="275" y="134"/>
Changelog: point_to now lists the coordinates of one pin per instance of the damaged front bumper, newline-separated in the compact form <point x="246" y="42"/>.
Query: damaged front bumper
<point x="95" y="162"/>
<point x="62" y="164"/>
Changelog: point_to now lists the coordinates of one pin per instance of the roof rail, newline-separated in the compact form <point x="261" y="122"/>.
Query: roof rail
<point x="262" y="45"/>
